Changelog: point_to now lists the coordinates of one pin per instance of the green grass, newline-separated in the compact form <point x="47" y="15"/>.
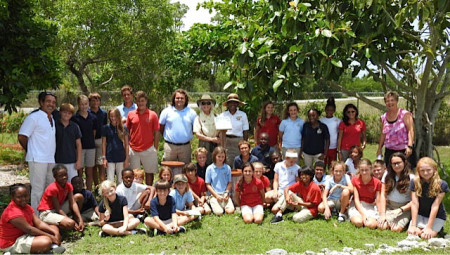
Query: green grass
<point x="230" y="235"/>
<point x="11" y="156"/>
<point x="8" y="138"/>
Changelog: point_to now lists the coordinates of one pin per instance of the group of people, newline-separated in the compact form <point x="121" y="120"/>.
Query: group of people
<point x="110" y="148"/>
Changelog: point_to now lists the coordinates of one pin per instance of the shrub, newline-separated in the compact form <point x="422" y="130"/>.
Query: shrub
<point x="11" y="156"/>
<point x="10" y="123"/>
<point x="372" y="127"/>
<point x="441" y="134"/>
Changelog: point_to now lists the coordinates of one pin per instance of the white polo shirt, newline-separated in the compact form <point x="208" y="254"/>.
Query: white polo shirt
<point x="239" y="123"/>
<point x="131" y="193"/>
<point x="41" y="145"/>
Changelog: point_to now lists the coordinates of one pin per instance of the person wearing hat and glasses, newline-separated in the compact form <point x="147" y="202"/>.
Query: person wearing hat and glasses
<point x="176" y="123"/>
<point x="205" y="126"/>
<point x="239" y="124"/>
<point x="37" y="136"/>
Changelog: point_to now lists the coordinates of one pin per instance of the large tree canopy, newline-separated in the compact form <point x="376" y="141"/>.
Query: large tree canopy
<point x="27" y="60"/>
<point x="273" y="47"/>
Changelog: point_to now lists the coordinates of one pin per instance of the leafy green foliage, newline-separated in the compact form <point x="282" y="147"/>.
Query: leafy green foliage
<point x="10" y="123"/>
<point x="27" y="59"/>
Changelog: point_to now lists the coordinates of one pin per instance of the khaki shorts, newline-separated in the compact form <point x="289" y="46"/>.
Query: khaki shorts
<point x="302" y="216"/>
<point x="333" y="203"/>
<point x="98" y="152"/>
<point x="148" y="158"/>
<point x="177" y="152"/>
<point x="401" y="220"/>
<point x="218" y="208"/>
<point x="370" y="210"/>
<point x="22" y="245"/>
<point x="283" y="205"/>
<point x="52" y="217"/>
<point x="88" y="157"/>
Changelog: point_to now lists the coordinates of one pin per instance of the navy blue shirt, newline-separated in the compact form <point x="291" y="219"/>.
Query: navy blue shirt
<point x="201" y="171"/>
<point x="89" y="200"/>
<point x="425" y="202"/>
<point x="263" y="155"/>
<point x="115" y="152"/>
<point x="102" y="119"/>
<point x="164" y="212"/>
<point x="116" y="208"/>
<point x="238" y="161"/>
<point x="66" y="146"/>
<point x="314" y="138"/>
<point x="87" y="127"/>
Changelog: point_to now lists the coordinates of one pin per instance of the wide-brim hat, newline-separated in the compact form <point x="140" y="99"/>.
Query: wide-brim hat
<point x="180" y="178"/>
<point x="206" y="97"/>
<point x="233" y="97"/>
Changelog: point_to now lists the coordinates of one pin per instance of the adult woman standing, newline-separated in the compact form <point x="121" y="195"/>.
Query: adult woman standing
<point x="205" y="126"/>
<point x="352" y="131"/>
<point x="268" y="123"/>
<point x="290" y="136"/>
<point x="397" y="129"/>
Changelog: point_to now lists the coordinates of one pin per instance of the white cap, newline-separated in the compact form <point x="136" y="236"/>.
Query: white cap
<point x="292" y="154"/>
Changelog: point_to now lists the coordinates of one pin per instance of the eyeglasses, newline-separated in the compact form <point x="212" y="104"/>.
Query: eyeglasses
<point x="206" y="103"/>
<point x="351" y="111"/>
<point x="397" y="163"/>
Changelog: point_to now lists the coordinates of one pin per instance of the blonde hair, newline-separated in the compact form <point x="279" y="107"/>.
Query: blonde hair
<point x="81" y="98"/>
<point x="435" y="181"/>
<point x="367" y="162"/>
<point x="337" y="163"/>
<point x="119" y="125"/>
<point x="200" y="150"/>
<point x="257" y="164"/>
<point x="103" y="186"/>
<point x="186" y="189"/>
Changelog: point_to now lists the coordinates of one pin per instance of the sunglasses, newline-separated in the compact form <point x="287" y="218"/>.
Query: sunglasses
<point x="351" y="111"/>
<point x="397" y="163"/>
<point x="206" y="103"/>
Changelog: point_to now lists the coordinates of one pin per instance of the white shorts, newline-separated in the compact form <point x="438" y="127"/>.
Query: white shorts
<point x="369" y="209"/>
<point x="22" y="245"/>
<point x="422" y="222"/>
<point x="257" y="209"/>
<point x="88" y="157"/>
<point x="98" y="152"/>
<point x="148" y="158"/>
<point x="71" y="171"/>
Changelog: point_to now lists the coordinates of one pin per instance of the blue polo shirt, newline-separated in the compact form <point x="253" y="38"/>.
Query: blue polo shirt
<point x="164" y="212"/>
<point x="102" y="119"/>
<point x="263" y="155"/>
<point x="292" y="133"/>
<point x="115" y="152"/>
<point x="181" y="200"/>
<point x="314" y="138"/>
<point x="66" y="146"/>
<point x="178" y="124"/>
<point x="87" y="126"/>
<point x="238" y="161"/>
<point x="218" y="177"/>
<point x="125" y="110"/>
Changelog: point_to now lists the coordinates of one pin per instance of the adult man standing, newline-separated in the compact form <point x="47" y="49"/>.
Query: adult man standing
<point x="176" y="126"/>
<point x="143" y="126"/>
<point x="128" y="105"/>
<point x="37" y="138"/>
<point x="239" y="124"/>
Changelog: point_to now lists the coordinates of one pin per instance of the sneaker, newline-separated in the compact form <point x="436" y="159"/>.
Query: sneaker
<point x="57" y="249"/>
<point x="334" y="212"/>
<point x="341" y="218"/>
<point x="160" y="233"/>
<point x="102" y="234"/>
<point x="276" y="219"/>
<point x="141" y="231"/>
<point x="181" y="229"/>
<point x="141" y="217"/>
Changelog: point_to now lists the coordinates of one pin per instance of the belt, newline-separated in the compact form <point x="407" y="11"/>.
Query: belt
<point x="177" y="143"/>
<point x="233" y="136"/>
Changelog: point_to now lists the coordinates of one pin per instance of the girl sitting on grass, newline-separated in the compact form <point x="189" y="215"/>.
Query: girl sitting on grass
<point x="184" y="200"/>
<point x="114" y="218"/>
<point x="336" y="195"/>
<point x="356" y="154"/>
<point x="218" y="183"/>
<point x="427" y="210"/>
<point x="395" y="199"/>
<point x="258" y="173"/>
<point x="166" y="174"/>
<point x="249" y="195"/>
<point x="362" y="211"/>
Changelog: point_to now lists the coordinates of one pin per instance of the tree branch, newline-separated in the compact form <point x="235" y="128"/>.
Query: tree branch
<point x="357" y="95"/>
<point x="395" y="80"/>
<point x="108" y="81"/>
<point x="442" y="70"/>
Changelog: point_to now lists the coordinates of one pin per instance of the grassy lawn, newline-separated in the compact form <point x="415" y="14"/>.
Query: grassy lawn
<point x="229" y="235"/>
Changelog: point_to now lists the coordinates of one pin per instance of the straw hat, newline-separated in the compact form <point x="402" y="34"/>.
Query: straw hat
<point x="206" y="97"/>
<point x="233" y="97"/>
